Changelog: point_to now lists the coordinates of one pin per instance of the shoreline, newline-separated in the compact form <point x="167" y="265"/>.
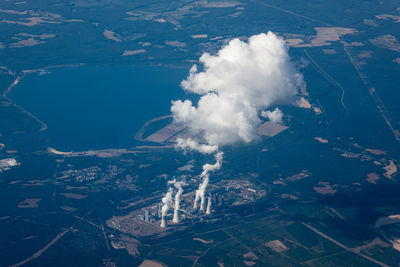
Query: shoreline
<point x="8" y="90"/>
<point x="139" y="135"/>
<point x="106" y="153"/>
<point x="18" y="80"/>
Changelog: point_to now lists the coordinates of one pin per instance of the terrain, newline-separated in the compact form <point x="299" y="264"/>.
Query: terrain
<point x="319" y="189"/>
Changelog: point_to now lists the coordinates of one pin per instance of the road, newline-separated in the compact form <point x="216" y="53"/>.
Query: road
<point x="355" y="251"/>
<point x="51" y="243"/>
<point x="329" y="78"/>
<point x="372" y="92"/>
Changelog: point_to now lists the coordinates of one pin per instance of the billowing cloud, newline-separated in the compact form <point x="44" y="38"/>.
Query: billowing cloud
<point x="190" y="144"/>
<point x="235" y="85"/>
<point x="274" y="116"/>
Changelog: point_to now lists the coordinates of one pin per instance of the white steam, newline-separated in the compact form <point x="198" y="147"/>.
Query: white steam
<point x="273" y="116"/>
<point x="236" y="84"/>
<point x="200" y="193"/>
<point x="167" y="201"/>
<point x="178" y="195"/>
<point x="190" y="144"/>
<point x="212" y="167"/>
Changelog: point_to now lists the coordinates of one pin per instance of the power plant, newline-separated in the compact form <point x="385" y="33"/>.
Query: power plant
<point x="200" y="192"/>
<point x="168" y="201"/>
<point x="202" y="204"/>
<point x="175" y="210"/>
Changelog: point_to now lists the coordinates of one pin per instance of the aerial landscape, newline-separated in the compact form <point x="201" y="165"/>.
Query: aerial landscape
<point x="199" y="133"/>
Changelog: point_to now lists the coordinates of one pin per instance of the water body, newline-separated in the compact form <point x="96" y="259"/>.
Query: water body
<point x="98" y="107"/>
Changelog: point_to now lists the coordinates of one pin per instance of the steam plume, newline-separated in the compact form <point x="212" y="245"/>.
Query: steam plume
<point x="166" y="200"/>
<point x="190" y="144"/>
<point x="235" y="86"/>
<point x="178" y="195"/>
<point x="205" y="175"/>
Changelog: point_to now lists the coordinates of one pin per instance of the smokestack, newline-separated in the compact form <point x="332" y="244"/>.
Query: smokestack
<point x="163" y="222"/>
<point x="202" y="203"/>
<point x="203" y="186"/>
<point x="176" y="216"/>
<point x="166" y="200"/>
<point x="202" y="190"/>
<point x="209" y="206"/>
<point x="178" y="195"/>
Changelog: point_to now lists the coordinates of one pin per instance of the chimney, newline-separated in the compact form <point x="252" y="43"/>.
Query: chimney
<point x="176" y="216"/>
<point x="163" y="222"/>
<point x="202" y="204"/>
<point x="209" y="206"/>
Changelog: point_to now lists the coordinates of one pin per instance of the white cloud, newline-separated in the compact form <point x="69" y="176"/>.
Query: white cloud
<point x="273" y="116"/>
<point x="236" y="84"/>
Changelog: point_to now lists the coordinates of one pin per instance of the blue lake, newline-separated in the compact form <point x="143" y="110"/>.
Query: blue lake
<point x="98" y="107"/>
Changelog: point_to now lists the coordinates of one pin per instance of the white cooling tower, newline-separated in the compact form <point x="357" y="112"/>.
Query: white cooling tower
<point x="163" y="222"/>
<point x="209" y="206"/>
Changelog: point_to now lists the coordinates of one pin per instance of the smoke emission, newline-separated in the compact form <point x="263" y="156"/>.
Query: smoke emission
<point x="200" y="193"/>
<point x="166" y="200"/>
<point x="236" y="86"/>
<point x="273" y="116"/>
<point x="190" y="144"/>
<point x="178" y="195"/>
